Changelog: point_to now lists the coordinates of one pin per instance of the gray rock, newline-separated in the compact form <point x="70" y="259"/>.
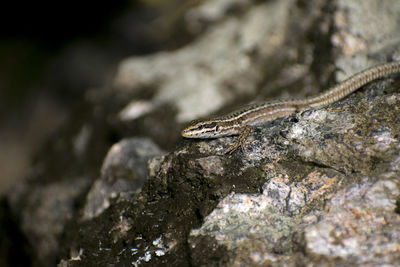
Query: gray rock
<point x="199" y="77"/>
<point x="124" y="171"/>
<point x="43" y="211"/>
<point x="319" y="187"/>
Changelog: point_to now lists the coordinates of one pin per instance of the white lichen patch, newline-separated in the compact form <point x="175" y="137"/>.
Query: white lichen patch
<point x="383" y="138"/>
<point x="76" y="255"/>
<point x="358" y="216"/>
<point x="135" y="109"/>
<point x="241" y="218"/>
<point x="157" y="248"/>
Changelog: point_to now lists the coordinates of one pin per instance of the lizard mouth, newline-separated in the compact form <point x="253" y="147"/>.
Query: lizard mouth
<point x="188" y="133"/>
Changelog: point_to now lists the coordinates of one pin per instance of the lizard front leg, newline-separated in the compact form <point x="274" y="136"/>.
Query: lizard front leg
<point x="240" y="141"/>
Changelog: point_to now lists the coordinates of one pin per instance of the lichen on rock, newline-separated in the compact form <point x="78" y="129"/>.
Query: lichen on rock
<point x="318" y="187"/>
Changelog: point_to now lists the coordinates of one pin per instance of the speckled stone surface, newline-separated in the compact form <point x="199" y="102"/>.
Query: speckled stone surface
<point x="318" y="187"/>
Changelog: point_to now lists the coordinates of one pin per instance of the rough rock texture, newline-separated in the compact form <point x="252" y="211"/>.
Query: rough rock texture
<point x="320" y="187"/>
<point x="124" y="171"/>
<point x="331" y="195"/>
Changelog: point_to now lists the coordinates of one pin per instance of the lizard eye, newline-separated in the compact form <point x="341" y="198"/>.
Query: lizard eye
<point x="210" y="125"/>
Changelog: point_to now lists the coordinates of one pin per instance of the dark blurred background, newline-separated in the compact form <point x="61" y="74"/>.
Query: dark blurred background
<point x="51" y="52"/>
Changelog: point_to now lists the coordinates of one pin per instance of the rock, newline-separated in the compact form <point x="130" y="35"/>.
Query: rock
<point x="319" y="187"/>
<point x="42" y="212"/>
<point x="336" y="199"/>
<point x="124" y="171"/>
<point x="198" y="79"/>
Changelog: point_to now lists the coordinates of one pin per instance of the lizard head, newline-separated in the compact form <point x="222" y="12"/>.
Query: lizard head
<point x="210" y="129"/>
<point x="201" y="129"/>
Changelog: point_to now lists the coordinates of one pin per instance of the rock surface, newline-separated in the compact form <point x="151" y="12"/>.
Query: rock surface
<point x="319" y="187"/>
